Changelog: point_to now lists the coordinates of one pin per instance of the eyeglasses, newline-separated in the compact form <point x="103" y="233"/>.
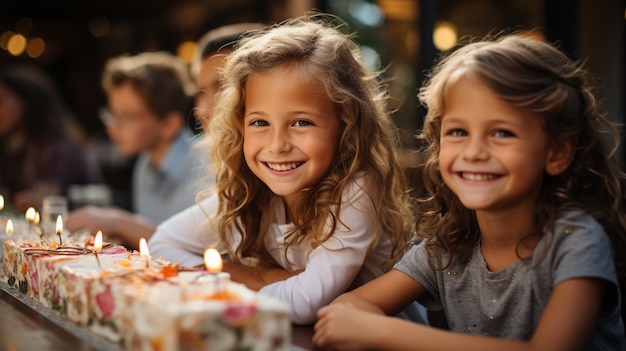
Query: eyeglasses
<point x="108" y="118"/>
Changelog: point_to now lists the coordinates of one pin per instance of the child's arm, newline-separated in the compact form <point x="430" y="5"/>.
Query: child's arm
<point x="257" y="277"/>
<point x="331" y="268"/>
<point x="113" y="222"/>
<point x="183" y="237"/>
<point x="377" y="296"/>
<point x="567" y="323"/>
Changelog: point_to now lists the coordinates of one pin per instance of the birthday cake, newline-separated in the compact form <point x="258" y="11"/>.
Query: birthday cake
<point x="144" y="303"/>
<point x="212" y="313"/>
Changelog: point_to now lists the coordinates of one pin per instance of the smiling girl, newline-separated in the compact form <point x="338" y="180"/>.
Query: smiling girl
<point x="311" y="198"/>
<point x="525" y="223"/>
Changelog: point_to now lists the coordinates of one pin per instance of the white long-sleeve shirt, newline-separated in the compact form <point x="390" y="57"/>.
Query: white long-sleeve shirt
<point x="329" y="270"/>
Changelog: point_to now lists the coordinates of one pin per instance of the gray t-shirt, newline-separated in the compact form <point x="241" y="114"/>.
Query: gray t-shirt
<point x="509" y="303"/>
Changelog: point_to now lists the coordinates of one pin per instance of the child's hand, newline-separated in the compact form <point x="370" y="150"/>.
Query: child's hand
<point x="91" y="219"/>
<point x="341" y="326"/>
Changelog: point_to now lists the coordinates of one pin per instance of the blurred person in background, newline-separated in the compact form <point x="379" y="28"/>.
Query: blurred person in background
<point x="212" y="49"/>
<point x="40" y="141"/>
<point x="149" y="101"/>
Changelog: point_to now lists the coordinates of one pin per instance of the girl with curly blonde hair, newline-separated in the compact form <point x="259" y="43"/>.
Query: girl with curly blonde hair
<point x="311" y="198"/>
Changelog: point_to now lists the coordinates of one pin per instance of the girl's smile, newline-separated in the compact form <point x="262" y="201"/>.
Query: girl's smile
<point x="477" y="177"/>
<point x="283" y="167"/>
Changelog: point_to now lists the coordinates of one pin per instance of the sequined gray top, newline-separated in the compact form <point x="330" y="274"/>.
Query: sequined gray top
<point x="509" y="303"/>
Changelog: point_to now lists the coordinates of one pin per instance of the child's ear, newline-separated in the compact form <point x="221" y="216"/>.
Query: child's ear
<point x="560" y="156"/>
<point x="171" y="125"/>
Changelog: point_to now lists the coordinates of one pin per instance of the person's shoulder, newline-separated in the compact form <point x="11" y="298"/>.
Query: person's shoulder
<point x="361" y="183"/>
<point x="578" y="226"/>
<point x="186" y="136"/>
<point x="578" y="219"/>
<point x="183" y="143"/>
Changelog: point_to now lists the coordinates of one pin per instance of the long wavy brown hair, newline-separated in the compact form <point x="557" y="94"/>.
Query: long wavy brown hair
<point x="536" y="77"/>
<point x="327" y="59"/>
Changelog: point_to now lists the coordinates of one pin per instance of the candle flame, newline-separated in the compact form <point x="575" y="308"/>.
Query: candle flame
<point x="143" y="248"/>
<point x="213" y="260"/>
<point x="1" y="202"/>
<point x="37" y="218"/>
<point x="30" y="214"/>
<point x="97" y="242"/>
<point x="9" y="227"/>
<point x="59" y="227"/>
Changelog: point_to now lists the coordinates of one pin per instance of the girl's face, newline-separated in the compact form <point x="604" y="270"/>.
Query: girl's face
<point x="492" y="155"/>
<point x="291" y="135"/>
<point x="132" y="126"/>
<point x="11" y="110"/>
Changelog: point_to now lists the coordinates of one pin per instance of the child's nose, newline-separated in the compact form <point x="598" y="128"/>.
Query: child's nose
<point x="475" y="149"/>
<point x="279" y="141"/>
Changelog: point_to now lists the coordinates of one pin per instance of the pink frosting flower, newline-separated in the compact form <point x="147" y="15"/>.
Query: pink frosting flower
<point x="237" y="315"/>
<point x="106" y="303"/>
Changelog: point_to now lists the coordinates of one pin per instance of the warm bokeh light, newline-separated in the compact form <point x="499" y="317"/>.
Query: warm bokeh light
<point x="186" y="51"/>
<point x="213" y="260"/>
<point x="16" y="44"/>
<point x="445" y="35"/>
<point x="401" y="10"/>
<point x="37" y="218"/>
<point x="1" y="202"/>
<point x="35" y="47"/>
<point x="97" y="242"/>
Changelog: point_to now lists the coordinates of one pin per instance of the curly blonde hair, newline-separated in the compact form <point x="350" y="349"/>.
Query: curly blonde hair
<point x="315" y="48"/>
<point x="533" y="76"/>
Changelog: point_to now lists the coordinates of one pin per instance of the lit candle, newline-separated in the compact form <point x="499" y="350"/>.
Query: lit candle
<point x="59" y="229"/>
<point x="213" y="263"/>
<point x="9" y="227"/>
<point x="97" y="246"/>
<point x="30" y="214"/>
<point x="143" y="251"/>
<point x="1" y="202"/>
<point x="213" y="260"/>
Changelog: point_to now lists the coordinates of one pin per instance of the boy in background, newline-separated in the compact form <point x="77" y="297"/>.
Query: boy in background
<point x="149" y="99"/>
<point x="213" y="48"/>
